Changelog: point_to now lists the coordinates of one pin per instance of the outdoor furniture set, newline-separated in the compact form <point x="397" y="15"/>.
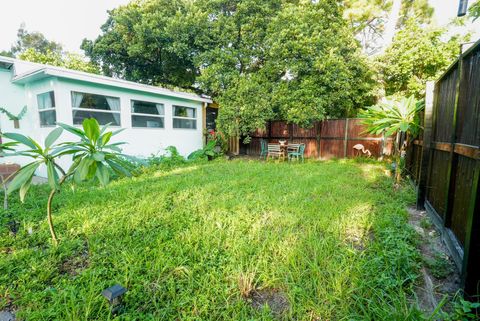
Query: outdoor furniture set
<point x="282" y="150"/>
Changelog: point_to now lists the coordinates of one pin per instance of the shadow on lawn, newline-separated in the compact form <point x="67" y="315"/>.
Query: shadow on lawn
<point x="180" y="240"/>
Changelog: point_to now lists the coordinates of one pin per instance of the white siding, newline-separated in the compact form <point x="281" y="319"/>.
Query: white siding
<point x="140" y="141"/>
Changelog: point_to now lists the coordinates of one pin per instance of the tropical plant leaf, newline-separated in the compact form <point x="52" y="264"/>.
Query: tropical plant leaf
<point x="106" y="138"/>
<point x="52" y="175"/>
<point x="21" y="139"/>
<point x="53" y="136"/>
<point x="22" y="176"/>
<point x="92" y="129"/>
<point x="24" y="189"/>
<point x="102" y="174"/>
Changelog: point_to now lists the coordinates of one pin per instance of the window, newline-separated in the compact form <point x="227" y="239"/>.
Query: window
<point x="46" y="109"/>
<point x="184" y="117"/>
<point x="104" y="109"/>
<point x="146" y="114"/>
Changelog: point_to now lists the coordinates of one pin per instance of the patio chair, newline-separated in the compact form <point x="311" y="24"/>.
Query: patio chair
<point x="263" y="148"/>
<point x="298" y="155"/>
<point x="274" y="150"/>
<point x="292" y="148"/>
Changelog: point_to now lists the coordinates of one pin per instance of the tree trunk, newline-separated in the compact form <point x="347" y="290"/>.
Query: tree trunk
<point x="49" y="206"/>
<point x="49" y="217"/>
<point x="391" y="25"/>
<point x="401" y="158"/>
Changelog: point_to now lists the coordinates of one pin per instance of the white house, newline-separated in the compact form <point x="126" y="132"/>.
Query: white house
<point x="153" y="117"/>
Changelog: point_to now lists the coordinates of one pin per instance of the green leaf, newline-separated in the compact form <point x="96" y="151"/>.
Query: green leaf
<point x="52" y="175"/>
<point x="404" y="126"/>
<point x="22" y="176"/>
<point x="118" y="168"/>
<point x="73" y="130"/>
<point x="102" y="174"/>
<point x="21" y="139"/>
<point x="99" y="156"/>
<point x="24" y="189"/>
<point x="81" y="171"/>
<point x="91" y="128"/>
<point x="106" y="138"/>
<point x="53" y="136"/>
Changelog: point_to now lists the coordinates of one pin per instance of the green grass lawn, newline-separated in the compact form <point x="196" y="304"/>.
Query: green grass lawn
<point x="215" y="241"/>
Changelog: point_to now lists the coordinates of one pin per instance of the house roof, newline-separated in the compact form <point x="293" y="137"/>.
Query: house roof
<point x="6" y="62"/>
<point x="39" y="71"/>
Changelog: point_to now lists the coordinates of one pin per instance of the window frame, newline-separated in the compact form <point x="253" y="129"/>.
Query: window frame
<point x="147" y="115"/>
<point x="119" y="112"/>
<point x="183" y="117"/>
<point x="47" y="109"/>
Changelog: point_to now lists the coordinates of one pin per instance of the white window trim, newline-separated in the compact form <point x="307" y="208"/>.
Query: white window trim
<point x="183" y="117"/>
<point x="94" y="109"/>
<point x="47" y="109"/>
<point x="147" y="115"/>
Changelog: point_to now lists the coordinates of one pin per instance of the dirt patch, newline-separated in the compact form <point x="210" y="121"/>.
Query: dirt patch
<point x="276" y="300"/>
<point x="440" y="276"/>
<point x="8" y="313"/>
<point x="76" y="263"/>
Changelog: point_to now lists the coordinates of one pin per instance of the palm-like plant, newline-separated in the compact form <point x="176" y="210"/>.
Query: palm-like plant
<point x="395" y="117"/>
<point x="92" y="156"/>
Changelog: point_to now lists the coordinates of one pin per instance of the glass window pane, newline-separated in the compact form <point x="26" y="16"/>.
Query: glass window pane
<point x="48" y="118"/>
<point x="92" y="101"/>
<point x="147" y="121"/>
<point x="46" y="100"/>
<point x="145" y="107"/>
<point x="184" y="123"/>
<point x="184" y="111"/>
<point x="102" y="118"/>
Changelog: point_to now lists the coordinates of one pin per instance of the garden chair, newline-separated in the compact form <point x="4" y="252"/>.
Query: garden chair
<point x="274" y="150"/>
<point x="263" y="148"/>
<point x="292" y="148"/>
<point x="298" y="155"/>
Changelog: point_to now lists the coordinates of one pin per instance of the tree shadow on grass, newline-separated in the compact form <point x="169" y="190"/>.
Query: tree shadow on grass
<point x="179" y="241"/>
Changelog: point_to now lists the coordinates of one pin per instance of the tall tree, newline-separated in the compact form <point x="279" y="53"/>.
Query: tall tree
<point x="417" y="54"/>
<point x="147" y="41"/>
<point x="66" y="60"/>
<point x="474" y="10"/>
<point x="290" y="59"/>
<point x="375" y="22"/>
<point x="33" y="40"/>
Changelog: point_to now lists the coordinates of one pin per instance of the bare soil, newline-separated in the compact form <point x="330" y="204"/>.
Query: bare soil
<point x="434" y="285"/>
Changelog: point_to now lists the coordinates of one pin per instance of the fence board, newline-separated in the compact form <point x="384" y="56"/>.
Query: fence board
<point x="448" y="172"/>
<point x="333" y="138"/>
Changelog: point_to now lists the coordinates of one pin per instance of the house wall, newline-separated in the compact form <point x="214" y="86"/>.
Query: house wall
<point x="141" y="142"/>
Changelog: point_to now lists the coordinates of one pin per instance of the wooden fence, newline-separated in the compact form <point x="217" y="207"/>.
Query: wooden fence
<point x="445" y="163"/>
<point x="327" y="139"/>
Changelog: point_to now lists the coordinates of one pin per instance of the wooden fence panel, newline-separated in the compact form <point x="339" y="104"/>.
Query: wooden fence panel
<point x="333" y="138"/>
<point x="448" y="173"/>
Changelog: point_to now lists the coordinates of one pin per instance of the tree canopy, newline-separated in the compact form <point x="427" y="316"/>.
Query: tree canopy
<point x="369" y="19"/>
<point x="66" y="60"/>
<point x="35" y="47"/>
<point x="417" y="54"/>
<point x="260" y="60"/>
<point x="33" y="40"/>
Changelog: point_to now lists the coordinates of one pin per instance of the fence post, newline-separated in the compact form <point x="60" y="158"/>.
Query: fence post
<point x="427" y="139"/>
<point x="470" y="278"/>
<point x="345" y="143"/>
<point x="318" y="133"/>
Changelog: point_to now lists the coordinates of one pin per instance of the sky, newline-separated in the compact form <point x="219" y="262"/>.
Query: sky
<point x="70" y="21"/>
<point x="65" y="21"/>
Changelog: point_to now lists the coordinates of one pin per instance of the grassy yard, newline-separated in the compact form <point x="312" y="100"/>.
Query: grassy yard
<point x="217" y="241"/>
